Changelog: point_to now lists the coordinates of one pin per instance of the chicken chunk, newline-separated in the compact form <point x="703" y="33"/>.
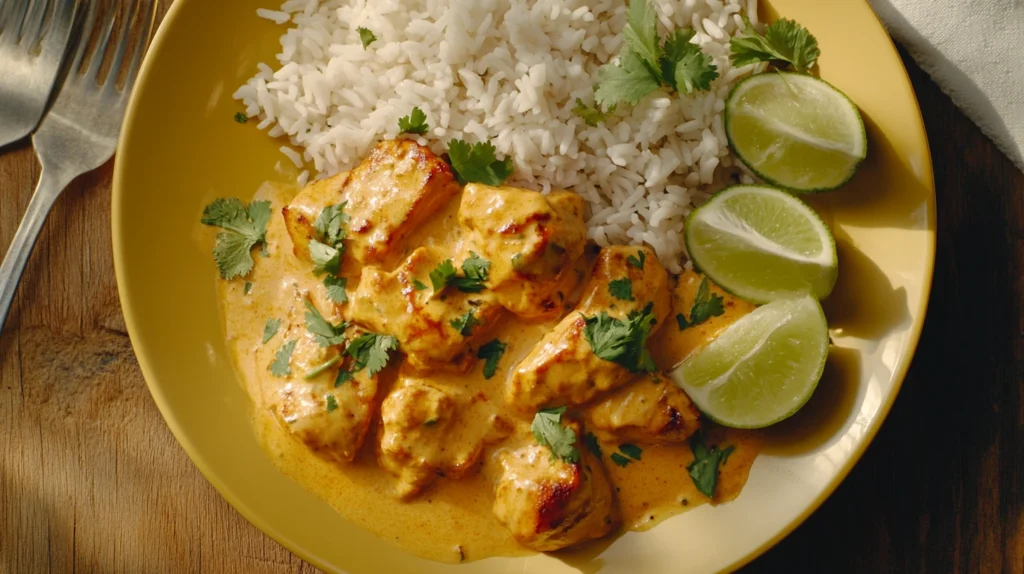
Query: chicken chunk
<point x="430" y="430"/>
<point x="563" y="368"/>
<point x="431" y="326"/>
<point x="303" y="211"/>
<point x="530" y="239"/>
<point x="650" y="410"/>
<point x="333" y="432"/>
<point x="549" y="504"/>
<point x="389" y="194"/>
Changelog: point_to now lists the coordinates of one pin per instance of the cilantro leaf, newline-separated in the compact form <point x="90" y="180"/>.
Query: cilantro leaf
<point x="548" y="430"/>
<point x="591" y="442"/>
<point x="325" y="333"/>
<point x="332" y="403"/>
<point x="371" y="352"/>
<point x="641" y="35"/>
<point x="591" y="115"/>
<point x="784" y="42"/>
<point x="247" y="288"/>
<point x="336" y="288"/>
<point x="477" y="163"/>
<point x="620" y="460"/>
<point x="442" y="274"/>
<point x="637" y="260"/>
<point x="281" y="366"/>
<point x="241" y="118"/>
<point x="319" y="369"/>
<point x="418" y="285"/>
<point x="464" y="324"/>
<point x="631" y="450"/>
<point x="366" y="36"/>
<point x="621" y="289"/>
<point x="705" y="306"/>
<point x="330" y="224"/>
<point x="326" y="259"/>
<point x="414" y="123"/>
<point x="492" y="351"/>
<point x="243" y="227"/>
<point x="704" y="468"/>
<point x="342" y="378"/>
<point x="622" y="342"/>
<point x="631" y="81"/>
<point x="474" y="271"/>
<point x="270" y="329"/>
<point x="685" y="67"/>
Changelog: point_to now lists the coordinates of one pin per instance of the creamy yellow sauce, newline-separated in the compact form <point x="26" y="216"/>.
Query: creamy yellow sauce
<point x="452" y="520"/>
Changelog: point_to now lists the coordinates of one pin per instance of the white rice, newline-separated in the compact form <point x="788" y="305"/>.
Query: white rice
<point x="508" y="72"/>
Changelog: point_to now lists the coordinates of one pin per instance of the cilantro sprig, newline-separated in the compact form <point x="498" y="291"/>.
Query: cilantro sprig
<point x="622" y="341"/>
<point x="646" y="64"/>
<point x="324" y="332"/>
<point x="706" y="462"/>
<point x="473" y="279"/>
<point x="591" y="115"/>
<point x="281" y="367"/>
<point x="705" y="306"/>
<point x="491" y="352"/>
<point x="549" y="431"/>
<point x="244" y="228"/>
<point x="270" y="329"/>
<point x="784" y="43"/>
<point x="621" y="289"/>
<point x="414" y="123"/>
<point x="477" y="163"/>
<point x="371" y="351"/>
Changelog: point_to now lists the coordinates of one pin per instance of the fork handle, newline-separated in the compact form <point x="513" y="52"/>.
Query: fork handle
<point x="51" y="183"/>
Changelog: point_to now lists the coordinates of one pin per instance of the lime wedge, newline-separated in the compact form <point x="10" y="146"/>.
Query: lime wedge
<point x="762" y="244"/>
<point x="795" y="131"/>
<point x="761" y="369"/>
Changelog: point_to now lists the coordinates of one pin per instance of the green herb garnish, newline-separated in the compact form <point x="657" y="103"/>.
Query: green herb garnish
<point x="591" y="442"/>
<point x="548" y="430"/>
<point x="241" y="118"/>
<point x="622" y="342"/>
<point x="317" y="370"/>
<point x="784" y="43"/>
<point x="464" y="324"/>
<point x="418" y="285"/>
<point x="332" y="403"/>
<point x="638" y="259"/>
<point x="325" y="333"/>
<point x="621" y="289"/>
<point x="704" y="468"/>
<point x="492" y="352"/>
<point x="336" y="288"/>
<point x="474" y="274"/>
<point x="477" y="163"/>
<point x="281" y="367"/>
<point x="705" y="306"/>
<point x="371" y="351"/>
<point x="366" y="36"/>
<point x="620" y="460"/>
<point x="414" y="123"/>
<point x="270" y="329"/>
<point x="247" y="288"/>
<point x="244" y="228"/>
<point x="591" y="115"/>
<point x="631" y="450"/>
<point x="645" y="64"/>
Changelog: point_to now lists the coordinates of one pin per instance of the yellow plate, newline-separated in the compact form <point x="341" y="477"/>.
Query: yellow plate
<point x="181" y="148"/>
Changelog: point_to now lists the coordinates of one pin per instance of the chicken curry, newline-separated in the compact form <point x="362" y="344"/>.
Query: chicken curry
<point x="456" y="368"/>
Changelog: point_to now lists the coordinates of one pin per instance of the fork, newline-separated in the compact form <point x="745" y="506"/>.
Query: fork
<point x="32" y="47"/>
<point x="80" y="132"/>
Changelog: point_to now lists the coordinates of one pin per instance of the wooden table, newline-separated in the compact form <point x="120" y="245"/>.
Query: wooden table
<point x="91" y="479"/>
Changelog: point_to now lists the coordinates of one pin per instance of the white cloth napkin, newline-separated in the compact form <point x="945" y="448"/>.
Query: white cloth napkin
<point x="974" y="50"/>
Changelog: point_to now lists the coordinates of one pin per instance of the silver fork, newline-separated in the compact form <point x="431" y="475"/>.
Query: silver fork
<point x="33" y="38"/>
<point x="80" y="132"/>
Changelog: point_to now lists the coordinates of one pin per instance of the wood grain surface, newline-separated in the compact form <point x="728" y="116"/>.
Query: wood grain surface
<point x="91" y="479"/>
